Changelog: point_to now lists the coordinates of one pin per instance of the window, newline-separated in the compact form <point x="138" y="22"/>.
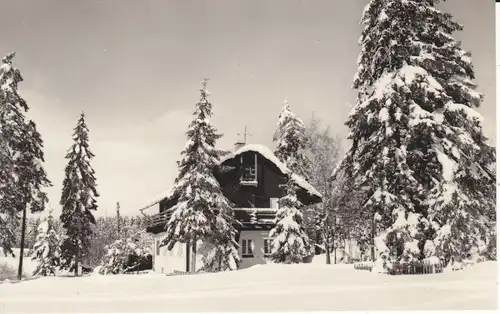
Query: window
<point x="249" y="174"/>
<point x="267" y="247"/>
<point x="247" y="248"/>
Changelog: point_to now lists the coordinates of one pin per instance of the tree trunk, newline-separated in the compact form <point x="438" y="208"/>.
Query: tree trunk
<point x="77" y="258"/>
<point x="372" y="239"/>
<point x="317" y="249"/>
<point x="327" y="245"/>
<point x="333" y="239"/>
<point x="21" y="253"/>
<point x="188" y="256"/>
<point x="220" y="262"/>
<point x="193" y="260"/>
<point x="334" y="249"/>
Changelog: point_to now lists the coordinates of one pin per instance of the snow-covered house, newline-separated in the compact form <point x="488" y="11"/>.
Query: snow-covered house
<point x="250" y="178"/>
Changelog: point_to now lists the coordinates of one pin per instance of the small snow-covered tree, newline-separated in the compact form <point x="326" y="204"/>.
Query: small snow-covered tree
<point x="22" y="177"/>
<point x="194" y="217"/>
<point x="291" y="243"/>
<point x="46" y="250"/>
<point x="78" y="199"/>
<point x="291" y="142"/>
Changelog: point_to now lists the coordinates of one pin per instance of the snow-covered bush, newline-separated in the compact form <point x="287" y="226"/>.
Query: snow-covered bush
<point x="47" y="249"/>
<point x="126" y="255"/>
<point x="8" y="272"/>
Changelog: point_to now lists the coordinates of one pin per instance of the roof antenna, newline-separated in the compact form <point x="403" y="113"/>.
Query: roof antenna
<point x="245" y="134"/>
<point x="240" y="144"/>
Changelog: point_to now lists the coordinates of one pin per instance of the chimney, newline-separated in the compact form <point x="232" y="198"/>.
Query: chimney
<point x="238" y="145"/>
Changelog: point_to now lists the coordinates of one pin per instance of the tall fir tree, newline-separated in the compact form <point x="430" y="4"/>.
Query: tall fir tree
<point x="22" y="178"/>
<point x="291" y="142"/>
<point x="291" y="243"/>
<point x="47" y="250"/>
<point x="417" y="143"/>
<point x="9" y="216"/>
<point x="78" y="199"/>
<point x="202" y="212"/>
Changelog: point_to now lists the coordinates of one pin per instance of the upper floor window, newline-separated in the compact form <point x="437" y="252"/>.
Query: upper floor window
<point x="249" y="171"/>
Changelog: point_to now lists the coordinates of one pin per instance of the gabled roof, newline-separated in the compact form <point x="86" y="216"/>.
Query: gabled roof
<point x="269" y="155"/>
<point x="264" y="152"/>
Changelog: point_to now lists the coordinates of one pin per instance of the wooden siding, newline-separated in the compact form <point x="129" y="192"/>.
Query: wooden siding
<point x="229" y="175"/>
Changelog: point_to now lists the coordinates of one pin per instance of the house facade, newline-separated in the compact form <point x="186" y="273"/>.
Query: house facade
<point x="251" y="178"/>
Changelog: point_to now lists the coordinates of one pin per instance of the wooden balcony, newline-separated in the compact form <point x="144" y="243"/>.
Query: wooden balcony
<point x="158" y="223"/>
<point x="250" y="218"/>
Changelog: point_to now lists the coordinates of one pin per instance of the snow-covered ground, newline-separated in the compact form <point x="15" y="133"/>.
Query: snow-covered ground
<point x="28" y="264"/>
<point x="261" y="288"/>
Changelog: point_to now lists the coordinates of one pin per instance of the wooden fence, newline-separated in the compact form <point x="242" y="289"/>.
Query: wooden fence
<point x="417" y="268"/>
<point x="363" y="266"/>
<point x="400" y="268"/>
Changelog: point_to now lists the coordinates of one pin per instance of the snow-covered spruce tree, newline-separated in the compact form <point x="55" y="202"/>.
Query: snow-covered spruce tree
<point x="291" y="243"/>
<point x="221" y="251"/>
<point x="78" y="199"/>
<point x="9" y="217"/>
<point x="22" y="177"/>
<point x="47" y="250"/>
<point x="418" y="147"/>
<point x="8" y="226"/>
<point x="291" y="142"/>
<point x="202" y="212"/>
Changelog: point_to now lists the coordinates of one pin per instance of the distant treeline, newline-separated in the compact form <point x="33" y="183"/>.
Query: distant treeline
<point x="106" y="232"/>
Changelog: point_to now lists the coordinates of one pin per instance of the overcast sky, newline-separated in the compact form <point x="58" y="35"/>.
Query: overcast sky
<point x="134" y="68"/>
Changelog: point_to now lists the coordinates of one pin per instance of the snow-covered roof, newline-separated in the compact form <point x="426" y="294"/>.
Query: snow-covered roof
<point x="155" y="200"/>
<point x="269" y="155"/>
<point x="260" y="149"/>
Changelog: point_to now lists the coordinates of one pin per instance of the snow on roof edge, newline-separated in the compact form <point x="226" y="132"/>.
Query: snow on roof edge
<point x="158" y="198"/>
<point x="266" y="153"/>
<point x="269" y="155"/>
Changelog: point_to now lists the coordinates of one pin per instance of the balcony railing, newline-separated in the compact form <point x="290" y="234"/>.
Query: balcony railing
<point x="158" y="221"/>
<point x="260" y="216"/>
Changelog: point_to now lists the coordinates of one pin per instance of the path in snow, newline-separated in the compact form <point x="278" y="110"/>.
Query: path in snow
<point x="261" y="288"/>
